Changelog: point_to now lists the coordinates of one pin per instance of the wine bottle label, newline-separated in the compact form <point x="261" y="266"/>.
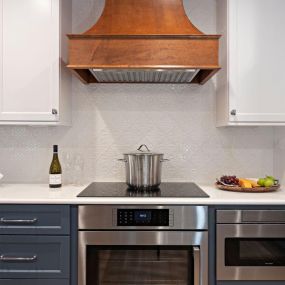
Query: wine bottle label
<point x="55" y="179"/>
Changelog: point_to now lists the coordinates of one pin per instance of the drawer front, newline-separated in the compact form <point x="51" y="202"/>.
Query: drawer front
<point x="34" y="282"/>
<point x="34" y="257"/>
<point x="35" y="219"/>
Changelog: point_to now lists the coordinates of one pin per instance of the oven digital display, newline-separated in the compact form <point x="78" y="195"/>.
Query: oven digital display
<point x="143" y="217"/>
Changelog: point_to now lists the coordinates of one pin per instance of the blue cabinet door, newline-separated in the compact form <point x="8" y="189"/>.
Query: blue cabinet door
<point x="35" y="219"/>
<point x="41" y="257"/>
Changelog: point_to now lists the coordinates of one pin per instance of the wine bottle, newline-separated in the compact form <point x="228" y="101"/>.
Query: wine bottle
<point x="55" y="170"/>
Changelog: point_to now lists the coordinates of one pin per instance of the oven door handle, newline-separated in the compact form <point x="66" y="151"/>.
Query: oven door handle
<point x="197" y="264"/>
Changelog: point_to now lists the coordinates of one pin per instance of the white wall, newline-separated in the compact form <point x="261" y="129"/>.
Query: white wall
<point x="178" y="120"/>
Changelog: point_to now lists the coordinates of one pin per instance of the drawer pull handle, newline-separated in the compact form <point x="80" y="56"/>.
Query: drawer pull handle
<point x="8" y="221"/>
<point x="5" y="258"/>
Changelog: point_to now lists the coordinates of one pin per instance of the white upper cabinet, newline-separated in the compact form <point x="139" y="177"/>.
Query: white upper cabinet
<point x="251" y="84"/>
<point x="31" y="64"/>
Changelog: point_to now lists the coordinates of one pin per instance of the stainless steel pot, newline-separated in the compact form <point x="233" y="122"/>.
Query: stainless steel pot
<point x="143" y="168"/>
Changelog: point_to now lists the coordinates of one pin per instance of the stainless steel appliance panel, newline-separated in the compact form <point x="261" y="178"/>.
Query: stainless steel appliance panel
<point x="251" y="231"/>
<point x="196" y="240"/>
<point x="180" y="217"/>
<point x="229" y="216"/>
<point x="251" y="216"/>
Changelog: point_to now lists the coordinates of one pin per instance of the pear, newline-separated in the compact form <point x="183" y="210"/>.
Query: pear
<point x="268" y="182"/>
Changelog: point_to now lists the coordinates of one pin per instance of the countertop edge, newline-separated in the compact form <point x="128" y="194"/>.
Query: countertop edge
<point x="67" y="195"/>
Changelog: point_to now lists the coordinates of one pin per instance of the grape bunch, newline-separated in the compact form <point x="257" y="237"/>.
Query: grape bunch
<point x="230" y="180"/>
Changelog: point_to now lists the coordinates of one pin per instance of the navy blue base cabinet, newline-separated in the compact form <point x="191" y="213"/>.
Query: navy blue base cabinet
<point x="34" y="244"/>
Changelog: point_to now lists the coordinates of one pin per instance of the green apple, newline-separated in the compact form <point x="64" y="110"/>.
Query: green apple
<point x="261" y="182"/>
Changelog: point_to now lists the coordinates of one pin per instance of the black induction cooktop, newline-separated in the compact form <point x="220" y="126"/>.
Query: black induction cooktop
<point x="120" y="189"/>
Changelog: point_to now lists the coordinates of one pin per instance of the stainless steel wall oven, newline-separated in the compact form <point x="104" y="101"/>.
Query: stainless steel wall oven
<point x="251" y="245"/>
<point x="158" y="245"/>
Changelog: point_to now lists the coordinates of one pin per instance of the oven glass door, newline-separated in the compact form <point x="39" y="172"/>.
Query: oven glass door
<point x="134" y="265"/>
<point x="255" y="251"/>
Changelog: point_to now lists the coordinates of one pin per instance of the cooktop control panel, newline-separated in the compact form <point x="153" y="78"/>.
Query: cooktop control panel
<point x="145" y="217"/>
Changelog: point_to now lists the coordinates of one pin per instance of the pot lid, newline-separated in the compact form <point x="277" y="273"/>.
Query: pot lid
<point x="141" y="151"/>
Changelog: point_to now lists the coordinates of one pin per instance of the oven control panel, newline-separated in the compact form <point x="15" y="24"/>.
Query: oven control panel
<point x="144" y="217"/>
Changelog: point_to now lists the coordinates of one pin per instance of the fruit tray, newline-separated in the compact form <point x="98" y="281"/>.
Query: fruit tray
<point x="248" y="190"/>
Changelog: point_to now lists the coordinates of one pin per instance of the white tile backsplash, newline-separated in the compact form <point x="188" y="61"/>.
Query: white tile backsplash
<point x="109" y="119"/>
<point x="279" y="154"/>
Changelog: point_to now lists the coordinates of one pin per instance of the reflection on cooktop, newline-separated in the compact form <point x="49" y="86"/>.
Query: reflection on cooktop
<point x="120" y="189"/>
<point x="131" y="192"/>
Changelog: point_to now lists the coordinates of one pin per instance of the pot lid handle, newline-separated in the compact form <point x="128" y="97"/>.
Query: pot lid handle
<point x="143" y="145"/>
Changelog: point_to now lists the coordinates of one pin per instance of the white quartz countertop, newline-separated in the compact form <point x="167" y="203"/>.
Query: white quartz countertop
<point x="42" y="194"/>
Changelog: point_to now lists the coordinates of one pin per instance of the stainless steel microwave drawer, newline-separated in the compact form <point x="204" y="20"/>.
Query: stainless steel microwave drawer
<point x="31" y="257"/>
<point x="35" y="219"/>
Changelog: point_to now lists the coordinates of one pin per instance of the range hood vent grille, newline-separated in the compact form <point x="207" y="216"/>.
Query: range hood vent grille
<point x="144" y="75"/>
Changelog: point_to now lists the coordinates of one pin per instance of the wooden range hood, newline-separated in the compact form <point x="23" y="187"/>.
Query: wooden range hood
<point x="144" y="41"/>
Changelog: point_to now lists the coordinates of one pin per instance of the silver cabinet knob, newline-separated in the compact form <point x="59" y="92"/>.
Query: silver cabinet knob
<point x="54" y="111"/>
<point x="233" y="112"/>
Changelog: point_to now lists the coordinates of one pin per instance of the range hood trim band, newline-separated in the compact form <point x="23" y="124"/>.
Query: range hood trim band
<point x="151" y="37"/>
<point x="157" y="52"/>
<point x="150" y="68"/>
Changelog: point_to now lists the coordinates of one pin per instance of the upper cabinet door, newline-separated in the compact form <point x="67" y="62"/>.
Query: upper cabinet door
<point x="256" y="60"/>
<point x="29" y="49"/>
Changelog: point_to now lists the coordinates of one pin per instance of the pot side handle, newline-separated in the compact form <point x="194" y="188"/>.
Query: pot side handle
<point x="122" y="160"/>
<point x="164" y="160"/>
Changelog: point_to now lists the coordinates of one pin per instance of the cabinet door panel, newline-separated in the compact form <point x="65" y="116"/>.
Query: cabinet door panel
<point x="34" y="220"/>
<point x="34" y="257"/>
<point x="256" y="60"/>
<point x="29" y="60"/>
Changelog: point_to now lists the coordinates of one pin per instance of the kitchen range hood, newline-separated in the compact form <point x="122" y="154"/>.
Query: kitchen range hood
<point x="143" y="41"/>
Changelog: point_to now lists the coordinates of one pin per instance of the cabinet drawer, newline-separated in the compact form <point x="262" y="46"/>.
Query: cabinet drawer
<point x="34" y="282"/>
<point x="34" y="257"/>
<point x="34" y="219"/>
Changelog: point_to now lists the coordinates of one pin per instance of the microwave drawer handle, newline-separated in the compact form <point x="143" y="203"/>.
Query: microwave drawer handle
<point x="6" y="258"/>
<point x="196" y="256"/>
<point x="18" y="221"/>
